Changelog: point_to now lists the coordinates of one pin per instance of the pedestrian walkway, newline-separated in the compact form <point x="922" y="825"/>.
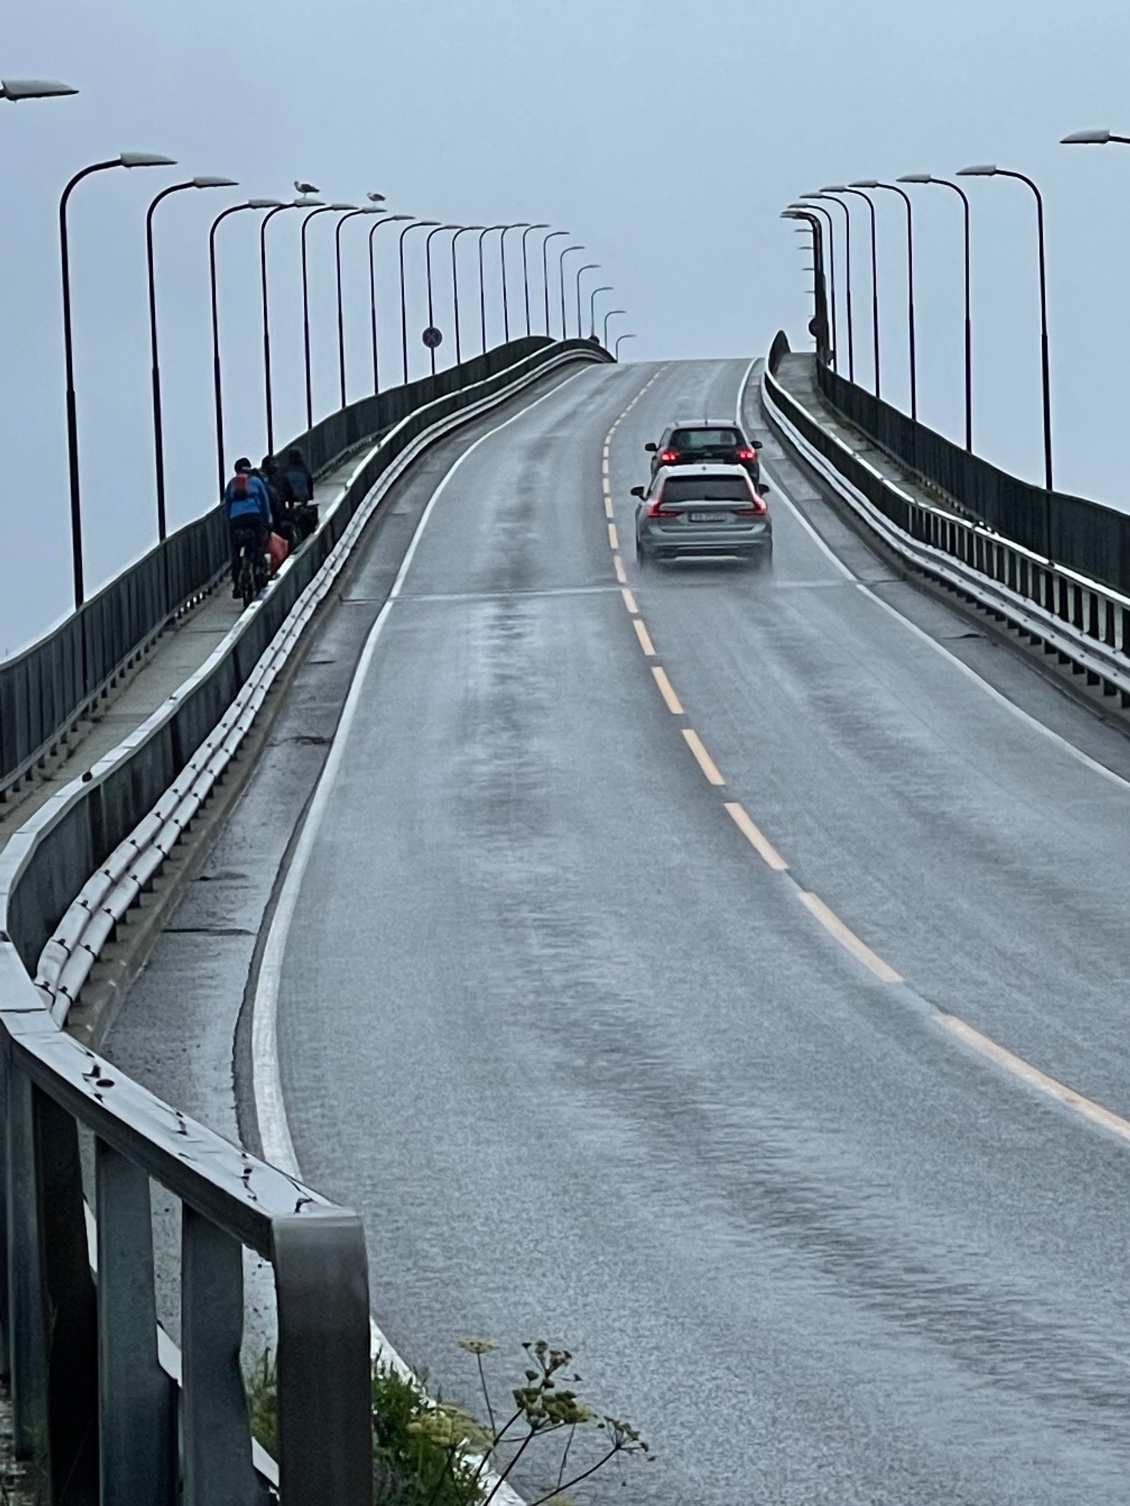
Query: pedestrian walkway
<point x="177" y="654"/>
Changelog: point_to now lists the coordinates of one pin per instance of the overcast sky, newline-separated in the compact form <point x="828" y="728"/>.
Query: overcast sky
<point x="666" y="136"/>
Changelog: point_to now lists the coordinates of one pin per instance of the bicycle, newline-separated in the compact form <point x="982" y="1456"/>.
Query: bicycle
<point x="250" y="575"/>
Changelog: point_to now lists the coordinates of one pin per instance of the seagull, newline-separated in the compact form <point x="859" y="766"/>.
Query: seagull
<point x="304" y="188"/>
<point x="375" y="198"/>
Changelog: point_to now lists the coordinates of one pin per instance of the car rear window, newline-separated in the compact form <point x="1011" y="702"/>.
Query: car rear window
<point x="706" y="489"/>
<point x="706" y="439"/>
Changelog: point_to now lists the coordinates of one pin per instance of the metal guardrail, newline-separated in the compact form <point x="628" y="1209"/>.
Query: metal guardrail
<point x="93" y="1395"/>
<point x="45" y="690"/>
<point x="1084" y="536"/>
<point x="1078" y="618"/>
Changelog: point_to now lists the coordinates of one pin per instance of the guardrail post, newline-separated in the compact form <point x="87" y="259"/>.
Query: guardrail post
<point x="72" y="1345"/>
<point x="137" y="1424"/>
<point x="27" y="1335"/>
<point x="325" y="1392"/>
<point x="216" y="1425"/>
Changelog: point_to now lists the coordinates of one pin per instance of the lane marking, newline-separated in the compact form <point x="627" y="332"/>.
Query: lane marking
<point x="629" y="600"/>
<point x="266" y="1072"/>
<point x="613" y="536"/>
<point x="666" y="690"/>
<point x="608" y="513"/>
<point x="847" y="938"/>
<point x="1051" y="1087"/>
<point x="644" y="636"/>
<point x="702" y="757"/>
<point x="756" y="838"/>
<point x="621" y="573"/>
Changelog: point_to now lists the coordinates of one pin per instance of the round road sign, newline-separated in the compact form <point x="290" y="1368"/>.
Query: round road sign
<point x="432" y="337"/>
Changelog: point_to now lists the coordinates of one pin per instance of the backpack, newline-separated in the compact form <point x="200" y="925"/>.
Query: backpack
<point x="240" y="487"/>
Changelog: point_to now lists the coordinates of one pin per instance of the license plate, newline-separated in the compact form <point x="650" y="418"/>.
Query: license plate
<point x="709" y="517"/>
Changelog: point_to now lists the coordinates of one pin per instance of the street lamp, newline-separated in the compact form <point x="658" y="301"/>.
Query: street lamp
<point x="611" y="314"/>
<point x="526" y="270"/>
<point x="16" y="89"/>
<point x="619" y="341"/>
<point x="839" y="188"/>
<point x="463" y="230"/>
<point x="370" y="208"/>
<point x="517" y="225"/>
<point x="158" y="426"/>
<point x="126" y="159"/>
<point x="217" y="381"/>
<point x="561" y="277"/>
<point x="1093" y="138"/>
<point x="487" y="229"/>
<point x="814" y="227"/>
<point x="873" y="183"/>
<point x="592" y="307"/>
<point x="545" y="270"/>
<point x="389" y="219"/>
<point x="591" y="266"/>
<point x="847" y="262"/>
<point x="990" y="170"/>
<point x="306" y="218"/>
<point x="431" y="235"/>
<point x="964" y="197"/>
<point x="415" y="225"/>
<point x="803" y="211"/>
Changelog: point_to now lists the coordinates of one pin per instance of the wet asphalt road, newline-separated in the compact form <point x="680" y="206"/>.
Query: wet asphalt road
<point x="589" y="1067"/>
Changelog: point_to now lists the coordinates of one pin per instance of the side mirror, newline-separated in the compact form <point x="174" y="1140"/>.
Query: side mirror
<point x="756" y="444"/>
<point x="638" y="491"/>
<point x="765" y="491"/>
<point x="651" y="448"/>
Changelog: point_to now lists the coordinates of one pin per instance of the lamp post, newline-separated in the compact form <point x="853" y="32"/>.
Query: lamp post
<point x="611" y="314"/>
<point x="847" y="272"/>
<point x="964" y="197"/>
<point x="526" y="270"/>
<point x="127" y="159"/>
<point x="992" y="171"/>
<point x="561" y="275"/>
<point x="155" y="365"/>
<point x="1093" y="138"/>
<point x="840" y="188"/>
<point x="266" y="313"/>
<point x="439" y="230"/>
<point x="16" y="89"/>
<point x="415" y="225"/>
<point x="814" y="228"/>
<point x="553" y="234"/>
<point x="591" y="266"/>
<point x="803" y="211"/>
<point x="619" y="341"/>
<point x="463" y="230"/>
<point x="372" y="208"/>
<point x="517" y="225"/>
<point x="592" y="307"/>
<point x="306" y="218"/>
<point x="874" y="183"/>
<point x="487" y="229"/>
<point x="389" y="219"/>
<point x="217" y="380"/>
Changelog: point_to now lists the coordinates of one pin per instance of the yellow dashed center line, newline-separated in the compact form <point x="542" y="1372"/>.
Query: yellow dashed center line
<point x="848" y="939"/>
<point x="702" y="757"/>
<point x="674" y="705"/>
<point x="629" y="600"/>
<point x="757" y="839"/>
<point x="645" y="637"/>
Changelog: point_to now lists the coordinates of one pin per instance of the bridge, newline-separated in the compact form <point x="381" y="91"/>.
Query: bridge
<point x="482" y="934"/>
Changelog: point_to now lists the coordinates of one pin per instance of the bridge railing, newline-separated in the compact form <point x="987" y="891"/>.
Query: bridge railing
<point x="1084" y="536"/>
<point x="46" y="689"/>
<point x="100" y="1395"/>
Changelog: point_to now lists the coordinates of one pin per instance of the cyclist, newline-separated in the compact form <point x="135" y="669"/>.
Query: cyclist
<point x="301" y="482"/>
<point x="282" y="499"/>
<point x="247" y="507"/>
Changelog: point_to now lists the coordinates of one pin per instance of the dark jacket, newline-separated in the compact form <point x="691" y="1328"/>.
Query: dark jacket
<point x="300" y="480"/>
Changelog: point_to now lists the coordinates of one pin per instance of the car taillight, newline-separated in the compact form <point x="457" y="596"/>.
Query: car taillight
<point x="668" y="457"/>
<point x="756" y="509"/>
<point x="746" y="454"/>
<point x="655" y="509"/>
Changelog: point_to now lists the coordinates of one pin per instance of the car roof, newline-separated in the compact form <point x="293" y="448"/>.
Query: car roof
<point x="704" y="423"/>
<point x="702" y="468"/>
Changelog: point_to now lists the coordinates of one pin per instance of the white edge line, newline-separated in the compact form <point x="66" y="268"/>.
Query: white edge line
<point x="270" y="1106"/>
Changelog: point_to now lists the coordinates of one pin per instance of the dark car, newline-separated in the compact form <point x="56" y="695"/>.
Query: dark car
<point x="706" y="440"/>
<point x="703" y="510"/>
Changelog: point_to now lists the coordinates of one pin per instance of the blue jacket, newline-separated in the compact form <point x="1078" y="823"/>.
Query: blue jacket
<point x="256" y="504"/>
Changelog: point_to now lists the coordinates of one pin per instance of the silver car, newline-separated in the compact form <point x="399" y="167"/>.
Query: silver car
<point x="704" y="511"/>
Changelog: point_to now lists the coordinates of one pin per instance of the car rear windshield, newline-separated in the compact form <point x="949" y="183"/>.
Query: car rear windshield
<point x="706" y="489"/>
<point x="706" y="439"/>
